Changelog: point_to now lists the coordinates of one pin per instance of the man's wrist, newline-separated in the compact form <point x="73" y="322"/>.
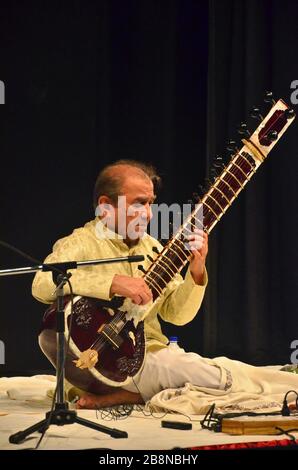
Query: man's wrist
<point x="198" y="277"/>
<point x="113" y="284"/>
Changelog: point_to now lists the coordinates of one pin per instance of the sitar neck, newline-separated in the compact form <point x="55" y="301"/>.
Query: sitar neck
<point x="220" y="196"/>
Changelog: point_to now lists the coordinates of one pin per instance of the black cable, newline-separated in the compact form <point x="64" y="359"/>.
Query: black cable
<point x="287" y="432"/>
<point x="123" y="412"/>
<point x="19" y="252"/>
<point x="211" y="420"/>
<point x="214" y="420"/>
<point x="285" y="411"/>
<point x="114" y="412"/>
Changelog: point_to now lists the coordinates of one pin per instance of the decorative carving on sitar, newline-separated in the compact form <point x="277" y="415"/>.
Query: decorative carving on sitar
<point x="82" y="315"/>
<point x="131" y="365"/>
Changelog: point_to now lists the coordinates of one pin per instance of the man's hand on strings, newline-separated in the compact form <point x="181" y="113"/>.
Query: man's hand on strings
<point x="198" y="244"/>
<point x="134" y="288"/>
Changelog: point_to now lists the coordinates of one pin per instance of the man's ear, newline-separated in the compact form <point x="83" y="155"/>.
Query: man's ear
<point x="104" y="200"/>
<point x="104" y="207"/>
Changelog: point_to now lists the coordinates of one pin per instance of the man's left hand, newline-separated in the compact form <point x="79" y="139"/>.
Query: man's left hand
<point x="198" y="243"/>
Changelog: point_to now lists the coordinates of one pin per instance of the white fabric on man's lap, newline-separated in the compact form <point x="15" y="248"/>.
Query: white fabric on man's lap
<point x="172" y="368"/>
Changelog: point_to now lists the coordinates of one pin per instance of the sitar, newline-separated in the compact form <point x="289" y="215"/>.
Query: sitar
<point x="107" y="348"/>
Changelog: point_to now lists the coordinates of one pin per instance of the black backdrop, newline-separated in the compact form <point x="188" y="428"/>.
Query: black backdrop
<point x="167" y="82"/>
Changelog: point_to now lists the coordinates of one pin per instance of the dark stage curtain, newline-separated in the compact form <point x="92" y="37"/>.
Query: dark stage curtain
<point x="88" y="83"/>
<point x="166" y="82"/>
<point x="251" y="306"/>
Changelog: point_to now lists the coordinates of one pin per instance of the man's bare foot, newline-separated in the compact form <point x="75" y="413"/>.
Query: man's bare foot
<point x="119" y="397"/>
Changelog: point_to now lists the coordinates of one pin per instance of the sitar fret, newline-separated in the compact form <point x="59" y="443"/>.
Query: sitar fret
<point x="248" y="161"/>
<point x="228" y="172"/>
<point x="208" y="205"/>
<point x="161" y="271"/>
<point x="240" y="169"/>
<point x="155" y="273"/>
<point x="221" y="195"/>
<point x="171" y="261"/>
<point x="210" y="196"/>
<point x="156" y="286"/>
<point x="165" y="266"/>
<point x="181" y="250"/>
<point x="227" y="188"/>
<point x="209" y="216"/>
<point x="176" y="254"/>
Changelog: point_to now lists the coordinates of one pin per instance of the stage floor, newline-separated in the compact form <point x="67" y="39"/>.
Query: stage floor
<point x="144" y="432"/>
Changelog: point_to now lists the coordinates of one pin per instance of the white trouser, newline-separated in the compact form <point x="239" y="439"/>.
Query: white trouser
<point x="172" y="368"/>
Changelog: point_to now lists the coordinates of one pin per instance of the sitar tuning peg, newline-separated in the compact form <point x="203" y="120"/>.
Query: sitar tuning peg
<point x="268" y="98"/>
<point x="290" y="113"/>
<point x="192" y="204"/>
<point x="218" y="163"/>
<point x="272" y="136"/>
<point x="243" y="129"/>
<point x="256" y="114"/>
<point x="207" y="184"/>
<point x="213" y="173"/>
<point x="195" y="197"/>
<point x="141" y="268"/>
<point x="201" y="190"/>
<point x="162" y="241"/>
<point x="232" y="147"/>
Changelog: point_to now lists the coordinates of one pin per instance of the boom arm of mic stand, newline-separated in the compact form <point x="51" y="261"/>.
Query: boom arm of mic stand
<point x="63" y="266"/>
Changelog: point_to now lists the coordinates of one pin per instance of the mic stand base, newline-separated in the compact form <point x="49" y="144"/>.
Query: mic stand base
<point x="60" y="416"/>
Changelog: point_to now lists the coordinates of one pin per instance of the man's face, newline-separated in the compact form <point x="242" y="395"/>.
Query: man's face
<point x="133" y="211"/>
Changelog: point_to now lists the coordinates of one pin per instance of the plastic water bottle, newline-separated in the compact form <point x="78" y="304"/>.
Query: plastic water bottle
<point x="173" y="344"/>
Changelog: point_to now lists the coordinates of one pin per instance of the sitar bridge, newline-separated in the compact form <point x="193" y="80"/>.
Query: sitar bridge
<point x="111" y="335"/>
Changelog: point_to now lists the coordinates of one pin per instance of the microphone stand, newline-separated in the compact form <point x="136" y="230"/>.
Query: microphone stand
<point x="60" y="414"/>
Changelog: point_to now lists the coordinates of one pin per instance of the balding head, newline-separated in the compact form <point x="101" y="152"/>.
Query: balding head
<point x="112" y="180"/>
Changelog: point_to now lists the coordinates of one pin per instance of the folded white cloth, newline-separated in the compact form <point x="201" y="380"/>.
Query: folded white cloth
<point x="27" y="388"/>
<point x="253" y="388"/>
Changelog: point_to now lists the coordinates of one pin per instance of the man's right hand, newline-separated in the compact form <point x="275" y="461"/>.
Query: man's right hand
<point x="134" y="288"/>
